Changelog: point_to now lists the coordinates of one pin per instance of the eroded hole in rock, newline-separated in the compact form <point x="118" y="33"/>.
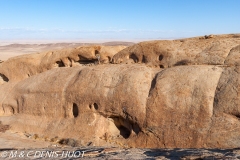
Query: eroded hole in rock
<point x="86" y="61"/>
<point x="125" y="127"/>
<point x="96" y="52"/>
<point x="75" y="110"/>
<point x="70" y="61"/>
<point x="161" y="66"/>
<point x="160" y="57"/>
<point x="3" y="78"/>
<point x="182" y="62"/>
<point x="125" y="132"/>
<point x="134" y="57"/>
<point x="144" y="59"/>
<point x="237" y="116"/>
<point x="109" y="59"/>
<point x="83" y="60"/>
<point x="95" y="106"/>
<point x="60" y="64"/>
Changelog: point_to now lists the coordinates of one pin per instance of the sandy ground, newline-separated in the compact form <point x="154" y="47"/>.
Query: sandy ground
<point x="10" y="139"/>
<point x="13" y="50"/>
<point x="65" y="152"/>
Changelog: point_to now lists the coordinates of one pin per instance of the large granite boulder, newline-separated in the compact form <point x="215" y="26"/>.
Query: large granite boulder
<point x="170" y="94"/>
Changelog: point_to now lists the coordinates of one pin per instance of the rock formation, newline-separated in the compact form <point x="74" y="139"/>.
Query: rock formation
<point x="22" y="67"/>
<point x="172" y="94"/>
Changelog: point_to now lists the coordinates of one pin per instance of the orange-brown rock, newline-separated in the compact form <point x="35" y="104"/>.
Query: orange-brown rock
<point x="189" y="100"/>
<point x="192" y="51"/>
<point x="21" y="67"/>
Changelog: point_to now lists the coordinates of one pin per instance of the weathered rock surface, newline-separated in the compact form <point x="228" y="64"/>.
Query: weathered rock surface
<point x="182" y="94"/>
<point x="21" y="67"/>
<point x="101" y="107"/>
<point x="192" y="51"/>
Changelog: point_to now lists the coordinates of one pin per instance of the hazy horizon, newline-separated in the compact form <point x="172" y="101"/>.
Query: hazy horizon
<point x="43" y="41"/>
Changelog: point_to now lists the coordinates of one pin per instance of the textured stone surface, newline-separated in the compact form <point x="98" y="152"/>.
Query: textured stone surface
<point x="180" y="94"/>
<point x="21" y="67"/>
<point x="192" y="51"/>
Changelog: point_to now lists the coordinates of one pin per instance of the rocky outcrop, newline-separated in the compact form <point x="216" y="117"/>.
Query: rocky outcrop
<point x="180" y="106"/>
<point x="22" y="67"/>
<point x="101" y="106"/>
<point x="193" y="51"/>
<point x="174" y="94"/>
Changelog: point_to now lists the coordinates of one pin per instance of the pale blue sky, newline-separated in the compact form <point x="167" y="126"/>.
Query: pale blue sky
<point x="116" y="19"/>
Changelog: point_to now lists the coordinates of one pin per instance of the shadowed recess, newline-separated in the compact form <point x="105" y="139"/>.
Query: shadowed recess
<point x="75" y="110"/>
<point x="95" y="106"/>
<point x="60" y="64"/>
<point x="4" y="78"/>
<point x="160" y="57"/>
<point x="182" y="62"/>
<point x="134" y="57"/>
<point x="125" y="127"/>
